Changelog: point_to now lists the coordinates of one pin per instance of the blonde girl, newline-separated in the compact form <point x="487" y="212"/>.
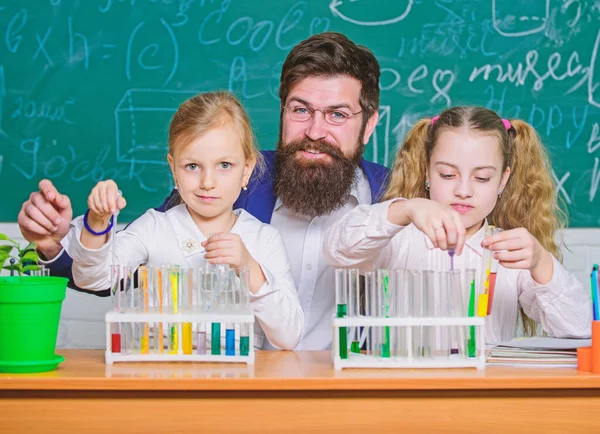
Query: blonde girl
<point x="211" y="155"/>
<point x="454" y="174"/>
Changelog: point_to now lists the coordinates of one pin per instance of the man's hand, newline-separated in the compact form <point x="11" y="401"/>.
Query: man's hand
<point x="44" y="219"/>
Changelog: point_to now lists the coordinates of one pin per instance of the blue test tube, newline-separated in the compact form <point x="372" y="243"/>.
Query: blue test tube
<point x="229" y="339"/>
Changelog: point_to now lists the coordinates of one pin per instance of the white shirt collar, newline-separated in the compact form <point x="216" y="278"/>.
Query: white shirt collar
<point x="361" y="191"/>
<point x="190" y="237"/>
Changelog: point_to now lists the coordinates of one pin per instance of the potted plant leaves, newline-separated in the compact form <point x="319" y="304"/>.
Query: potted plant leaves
<point x="29" y="311"/>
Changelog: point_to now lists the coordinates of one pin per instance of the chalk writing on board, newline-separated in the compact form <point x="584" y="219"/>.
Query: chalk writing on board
<point x="453" y="35"/>
<point x="29" y="109"/>
<point x="246" y="30"/>
<point x="336" y="5"/>
<point x="152" y="109"/>
<point x="146" y="56"/>
<point x="42" y="46"/>
<point x="12" y="36"/>
<point x="518" y="74"/>
<point x="595" y="179"/>
<point x="594" y="141"/>
<point x="238" y="74"/>
<point x="32" y="165"/>
<point x="384" y="119"/>
<point x="560" y="185"/>
<point x="593" y="83"/>
<point x="525" y="19"/>
<point x="78" y="46"/>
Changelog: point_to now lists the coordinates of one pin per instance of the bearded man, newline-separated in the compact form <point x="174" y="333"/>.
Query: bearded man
<point x="329" y="95"/>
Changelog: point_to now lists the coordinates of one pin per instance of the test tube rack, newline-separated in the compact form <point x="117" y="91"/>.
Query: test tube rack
<point x="404" y="327"/>
<point x="162" y="354"/>
<point x="156" y="309"/>
<point x="409" y="319"/>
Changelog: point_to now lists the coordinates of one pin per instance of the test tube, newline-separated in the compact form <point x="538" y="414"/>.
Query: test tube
<point x="458" y="309"/>
<point x="188" y="278"/>
<point x="229" y="339"/>
<point x="369" y="285"/>
<point x="135" y="330"/>
<point x="201" y="339"/>
<point x="244" y="288"/>
<point x="470" y="283"/>
<point x="173" y="338"/>
<point x="210" y="287"/>
<point x="115" y="295"/>
<point x="129" y="289"/>
<point x="492" y="279"/>
<point x="383" y="290"/>
<point x="371" y="312"/>
<point x="171" y="303"/>
<point x="215" y="338"/>
<point x="244" y="339"/>
<point x="208" y="282"/>
<point x="441" y="338"/>
<point x="486" y="268"/>
<point x="354" y="307"/>
<point x="402" y="307"/>
<point x="144" y="283"/>
<point x="341" y="301"/>
<point x="157" y="295"/>
<point x="419" y="310"/>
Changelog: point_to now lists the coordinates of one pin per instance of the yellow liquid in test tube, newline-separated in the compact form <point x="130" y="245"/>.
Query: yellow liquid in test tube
<point x="187" y="338"/>
<point x="173" y="334"/>
<point x="145" y="341"/>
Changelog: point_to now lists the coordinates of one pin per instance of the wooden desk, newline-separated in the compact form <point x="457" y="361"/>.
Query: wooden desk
<point x="288" y="392"/>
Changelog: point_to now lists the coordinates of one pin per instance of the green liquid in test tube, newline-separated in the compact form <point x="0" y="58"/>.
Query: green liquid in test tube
<point x="354" y="307"/>
<point x="215" y="339"/>
<point x="341" y="313"/>
<point x="244" y="345"/>
<point x="341" y="300"/>
<point x="384" y="281"/>
<point x="472" y="348"/>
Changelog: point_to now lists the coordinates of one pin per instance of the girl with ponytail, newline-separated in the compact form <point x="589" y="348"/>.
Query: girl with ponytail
<point x="454" y="174"/>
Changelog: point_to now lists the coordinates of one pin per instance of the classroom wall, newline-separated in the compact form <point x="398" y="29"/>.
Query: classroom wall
<point x="82" y="320"/>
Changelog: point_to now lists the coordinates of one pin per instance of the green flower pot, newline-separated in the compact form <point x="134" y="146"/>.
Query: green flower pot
<point x="29" y="316"/>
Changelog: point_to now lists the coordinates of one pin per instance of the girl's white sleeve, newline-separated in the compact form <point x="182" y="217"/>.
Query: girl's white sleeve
<point x="563" y="306"/>
<point x="91" y="267"/>
<point x="276" y="304"/>
<point x="361" y="239"/>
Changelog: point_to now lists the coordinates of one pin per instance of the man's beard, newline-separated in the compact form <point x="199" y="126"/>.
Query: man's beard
<point x="314" y="187"/>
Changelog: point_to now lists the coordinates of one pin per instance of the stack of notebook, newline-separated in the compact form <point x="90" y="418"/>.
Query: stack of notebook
<point x="536" y="352"/>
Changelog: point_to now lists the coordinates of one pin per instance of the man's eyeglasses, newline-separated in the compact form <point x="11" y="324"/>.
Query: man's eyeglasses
<point x="302" y="113"/>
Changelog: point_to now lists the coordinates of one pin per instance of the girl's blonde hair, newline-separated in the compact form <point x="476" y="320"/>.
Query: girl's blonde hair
<point x="210" y="110"/>
<point x="528" y="199"/>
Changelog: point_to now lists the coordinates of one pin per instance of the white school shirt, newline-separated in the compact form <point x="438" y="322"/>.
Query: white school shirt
<point x="303" y="237"/>
<point x="172" y="237"/>
<point x="365" y="239"/>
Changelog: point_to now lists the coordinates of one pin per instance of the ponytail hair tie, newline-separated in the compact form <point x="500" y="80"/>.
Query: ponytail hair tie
<point x="506" y="123"/>
<point x="435" y="118"/>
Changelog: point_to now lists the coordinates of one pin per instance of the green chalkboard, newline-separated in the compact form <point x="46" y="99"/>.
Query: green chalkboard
<point x="87" y="88"/>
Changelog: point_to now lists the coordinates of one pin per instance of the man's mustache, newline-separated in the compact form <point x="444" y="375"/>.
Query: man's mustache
<point x="314" y="145"/>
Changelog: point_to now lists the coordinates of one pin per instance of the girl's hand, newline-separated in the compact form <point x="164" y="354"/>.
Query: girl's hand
<point x="521" y="250"/>
<point x="227" y="248"/>
<point x="104" y="201"/>
<point x="440" y="223"/>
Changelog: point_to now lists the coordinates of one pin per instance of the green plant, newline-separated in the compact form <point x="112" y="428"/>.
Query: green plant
<point x="25" y="260"/>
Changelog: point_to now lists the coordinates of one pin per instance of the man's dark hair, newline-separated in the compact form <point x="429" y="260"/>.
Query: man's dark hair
<point x="331" y="54"/>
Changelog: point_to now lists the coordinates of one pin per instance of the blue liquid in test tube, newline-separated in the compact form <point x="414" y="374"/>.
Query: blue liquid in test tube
<point x="229" y="340"/>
